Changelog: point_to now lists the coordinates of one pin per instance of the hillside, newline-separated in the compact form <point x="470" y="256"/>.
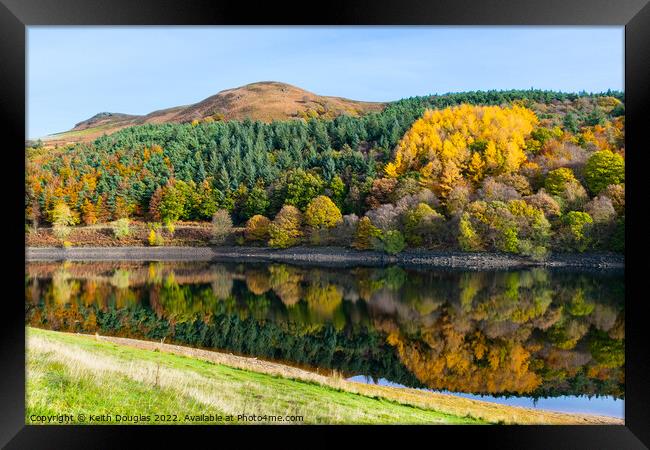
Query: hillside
<point x="150" y="385"/>
<point x="528" y="172"/>
<point x="265" y="101"/>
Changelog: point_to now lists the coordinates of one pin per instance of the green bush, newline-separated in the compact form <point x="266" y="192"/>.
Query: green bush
<point x="121" y="228"/>
<point x="256" y="203"/>
<point x="421" y="225"/>
<point x="172" y="202"/>
<point x="602" y="169"/>
<point x="557" y="180"/>
<point x="302" y="187"/>
<point x="393" y="242"/>
<point x="513" y="227"/>
<point x="468" y="238"/>
<point x="574" y="234"/>
<point x="536" y="252"/>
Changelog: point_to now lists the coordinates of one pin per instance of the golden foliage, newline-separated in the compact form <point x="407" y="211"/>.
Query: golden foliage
<point x="257" y="228"/>
<point x="322" y="213"/>
<point x="445" y="145"/>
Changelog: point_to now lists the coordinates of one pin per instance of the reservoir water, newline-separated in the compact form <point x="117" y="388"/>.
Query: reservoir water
<point x="551" y="339"/>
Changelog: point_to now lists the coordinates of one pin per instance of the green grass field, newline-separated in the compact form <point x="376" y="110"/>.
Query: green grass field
<point x="77" y="375"/>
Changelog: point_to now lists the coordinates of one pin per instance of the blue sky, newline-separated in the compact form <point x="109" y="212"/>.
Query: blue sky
<point x="76" y="72"/>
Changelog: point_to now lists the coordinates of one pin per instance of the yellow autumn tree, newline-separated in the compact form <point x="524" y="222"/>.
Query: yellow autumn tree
<point x="463" y="141"/>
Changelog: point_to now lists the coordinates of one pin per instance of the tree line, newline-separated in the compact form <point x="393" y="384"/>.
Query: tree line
<point x="523" y="171"/>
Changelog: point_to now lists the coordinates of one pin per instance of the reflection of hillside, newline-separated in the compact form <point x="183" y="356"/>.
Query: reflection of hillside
<point x="525" y="332"/>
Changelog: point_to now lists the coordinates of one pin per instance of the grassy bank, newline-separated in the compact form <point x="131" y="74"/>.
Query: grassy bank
<point x="76" y="374"/>
<point x="69" y="374"/>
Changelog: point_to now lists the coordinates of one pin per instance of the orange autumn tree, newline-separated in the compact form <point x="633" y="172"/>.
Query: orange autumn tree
<point x="463" y="141"/>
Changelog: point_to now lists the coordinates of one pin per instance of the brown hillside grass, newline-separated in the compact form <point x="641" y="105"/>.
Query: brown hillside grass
<point x="265" y="101"/>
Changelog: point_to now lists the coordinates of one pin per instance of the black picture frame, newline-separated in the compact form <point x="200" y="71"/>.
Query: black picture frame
<point x="16" y="15"/>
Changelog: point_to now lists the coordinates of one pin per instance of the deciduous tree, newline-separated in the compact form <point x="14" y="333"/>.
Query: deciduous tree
<point x="257" y="228"/>
<point x="322" y="213"/>
<point x="285" y="230"/>
<point x="602" y="169"/>
<point x="365" y="235"/>
<point x="221" y="226"/>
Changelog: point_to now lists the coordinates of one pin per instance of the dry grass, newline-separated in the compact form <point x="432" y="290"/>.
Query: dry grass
<point x="448" y="404"/>
<point x="265" y="101"/>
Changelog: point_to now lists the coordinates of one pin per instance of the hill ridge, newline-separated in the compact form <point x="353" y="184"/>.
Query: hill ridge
<point x="262" y="100"/>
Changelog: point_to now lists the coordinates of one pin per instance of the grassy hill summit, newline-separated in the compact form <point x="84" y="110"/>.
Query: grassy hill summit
<point x="265" y="101"/>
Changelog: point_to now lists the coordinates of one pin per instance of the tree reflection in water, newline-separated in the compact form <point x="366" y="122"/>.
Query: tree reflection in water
<point x="529" y="332"/>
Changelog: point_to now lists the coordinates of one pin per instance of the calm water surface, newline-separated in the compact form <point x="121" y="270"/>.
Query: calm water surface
<point x="535" y="337"/>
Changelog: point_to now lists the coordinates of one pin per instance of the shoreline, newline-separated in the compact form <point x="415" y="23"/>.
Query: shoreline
<point x="327" y="256"/>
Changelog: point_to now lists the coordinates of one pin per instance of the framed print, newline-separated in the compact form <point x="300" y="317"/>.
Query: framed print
<point x="379" y="214"/>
